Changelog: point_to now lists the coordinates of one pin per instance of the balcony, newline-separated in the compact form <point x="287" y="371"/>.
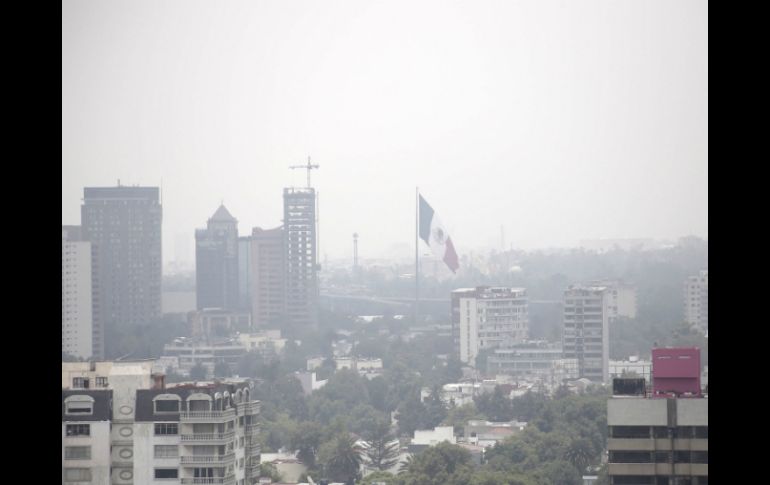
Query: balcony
<point x="228" y="480"/>
<point x="216" y="460"/>
<point x="207" y="437"/>
<point x="206" y="416"/>
<point x="251" y="407"/>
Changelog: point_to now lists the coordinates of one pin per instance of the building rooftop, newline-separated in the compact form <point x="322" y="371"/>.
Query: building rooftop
<point x="222" y="215"/>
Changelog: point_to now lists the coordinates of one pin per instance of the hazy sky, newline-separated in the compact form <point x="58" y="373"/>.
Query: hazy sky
<point x="560" y="120"/>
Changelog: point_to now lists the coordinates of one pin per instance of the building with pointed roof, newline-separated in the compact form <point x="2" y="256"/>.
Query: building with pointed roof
<point x="216" y="262"/>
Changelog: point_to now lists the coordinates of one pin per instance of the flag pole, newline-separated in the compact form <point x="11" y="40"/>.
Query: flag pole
<point x="416" y="254"/>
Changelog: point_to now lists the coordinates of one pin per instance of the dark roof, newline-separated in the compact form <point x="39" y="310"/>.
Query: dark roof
<point x="102" y="404"/>
<point x="222" y="215"/>
<point x="145" y="410"/>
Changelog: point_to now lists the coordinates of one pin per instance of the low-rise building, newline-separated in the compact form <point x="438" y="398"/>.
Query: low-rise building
<point x="213" y="323"/>
<point x="488" y="433"/>
<point x="424" y="438"/>
<point x="534" y="360"/>
<point x="192" y="352"/>
<point x="634" y="365"/>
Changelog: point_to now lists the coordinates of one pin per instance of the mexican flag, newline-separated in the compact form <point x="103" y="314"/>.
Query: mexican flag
<point x="435" y="235"/>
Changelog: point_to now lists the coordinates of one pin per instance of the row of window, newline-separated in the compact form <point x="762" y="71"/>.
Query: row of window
<point x="85" y="382"/>
<point x="659" y="457"/>
<point x="682" y="432"/>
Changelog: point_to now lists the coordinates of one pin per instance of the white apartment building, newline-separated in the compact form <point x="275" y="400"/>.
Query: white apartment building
<point x="86" y="423"/>
<point x="488" y="317"/>
<point x="696" y="301"/>
<point x="121" y="426"/>
<point x="587" y="315"/>
<point x="197" y="433"/>
<point x="77" y="331"/>
<point x="622" y="298"/>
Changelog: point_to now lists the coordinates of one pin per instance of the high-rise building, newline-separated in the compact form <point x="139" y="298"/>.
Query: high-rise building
<point x="487" y="318"/>
<point x="216" y="262"/>
<point x="268" y="277"/>
<point x="622" y="298"/>
<point x="123" y="225"/>
<point x="587" y="317"/>
<point x="244" y="273"/>
<point x="79" y="336"/>
<point x="696" y="301"/>
<point x="301" y="259"/>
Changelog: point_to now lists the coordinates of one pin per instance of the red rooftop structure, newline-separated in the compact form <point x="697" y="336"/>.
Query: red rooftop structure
<point x="676" y="372"/>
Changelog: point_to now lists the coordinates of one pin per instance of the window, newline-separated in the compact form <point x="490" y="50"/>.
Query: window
<point x="77" y="474"/>
<point x="77" y="452"/>
<point x="80" y="382"/>
<point x="79" y="405"/>
<point x="166" y="473"/>
<point x="699" y="457"/>
<point x="630" y="457"/>
<point x="78" y="430"/>
<point x="166" y="406"/>
<point x="101" y="382"/>
<point x="166" y="428"/>
<point x="630" y="432"/>
<point x="166" y="451"/>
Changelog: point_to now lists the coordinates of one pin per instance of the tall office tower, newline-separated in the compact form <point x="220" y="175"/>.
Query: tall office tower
<point x="244" y="274"/>
<point x="267" y="277"/>
<point x="488" y="317"/>
<point x="587" y="315"/>
<point x="123" y="225"/>
<point x="216" y="262"/>
<point x="79" y="336"/>
<point x="299" y="225"/>
<point x="696" y="301"/>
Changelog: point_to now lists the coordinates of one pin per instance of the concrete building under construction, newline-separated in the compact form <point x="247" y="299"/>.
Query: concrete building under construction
<point x="300" y="255"/>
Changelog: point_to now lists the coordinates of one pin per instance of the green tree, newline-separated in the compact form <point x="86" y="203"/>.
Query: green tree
<point x="411" y="415"/>
<point x="378" y="477"/>
<point x="497" y="406"/>
<point x="341" y="458"/>
<point x="381" y="450"/>
<point x="559" y="473"/>
<point x="221" y="369"/>
<point x="198" y="372"/>
<point x="306" y="439"/>
<point x="459" y="416"/>
<point x="269" y="470"/>
<point x="580" y="453"/>
<point x="435" y="410"/>
<point x="442" y="464"/>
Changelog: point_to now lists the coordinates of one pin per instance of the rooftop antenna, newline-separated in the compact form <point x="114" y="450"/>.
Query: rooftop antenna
<point x="307" y="167"/>
<point x="355" y="251"/>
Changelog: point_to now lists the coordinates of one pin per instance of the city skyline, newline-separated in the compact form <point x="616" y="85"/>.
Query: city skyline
<point x="556" y="122"/>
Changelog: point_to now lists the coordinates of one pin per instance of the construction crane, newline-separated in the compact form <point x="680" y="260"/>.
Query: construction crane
<point x="307" y="167"/>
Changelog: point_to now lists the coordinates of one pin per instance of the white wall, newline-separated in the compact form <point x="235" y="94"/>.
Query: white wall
<point x="99" y="441"/>
<point x="77" y="319"/>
